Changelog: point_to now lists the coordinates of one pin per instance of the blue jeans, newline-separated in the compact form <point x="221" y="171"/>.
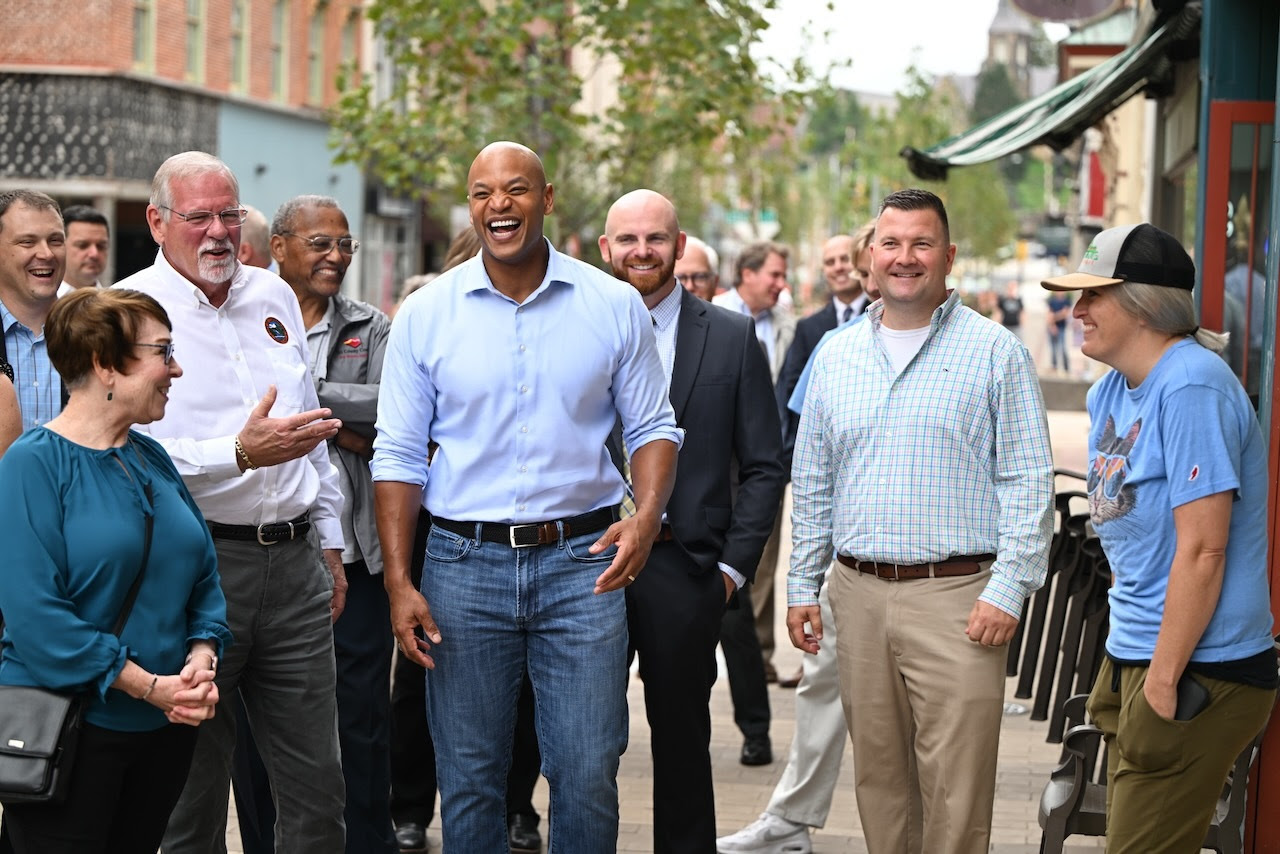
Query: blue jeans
<point x="501" y="610"/>
<point x="1058" y="348"/>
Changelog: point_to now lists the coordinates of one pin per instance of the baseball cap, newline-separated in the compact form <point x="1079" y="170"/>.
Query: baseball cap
<point x="1130" y="253"/>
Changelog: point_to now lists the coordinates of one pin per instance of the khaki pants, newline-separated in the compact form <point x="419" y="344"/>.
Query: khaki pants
<point x="905" y="660"/>
<point x="1164" y="777"/>
<point x="762" y="598"/>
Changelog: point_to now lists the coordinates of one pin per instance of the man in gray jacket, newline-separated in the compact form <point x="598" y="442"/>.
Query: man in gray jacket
<point x="312" y="243"/>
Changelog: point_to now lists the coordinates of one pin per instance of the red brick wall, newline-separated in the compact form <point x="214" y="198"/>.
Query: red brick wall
<point x="53" y="33"/>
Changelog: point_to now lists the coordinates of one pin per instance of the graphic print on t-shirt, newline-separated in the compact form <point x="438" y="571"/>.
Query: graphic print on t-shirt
<point x="1109" y="496"/>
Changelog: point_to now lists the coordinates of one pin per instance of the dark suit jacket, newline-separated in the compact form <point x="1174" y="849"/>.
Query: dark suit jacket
<point x="809" y="332"/>
<point x="722" y="395"/>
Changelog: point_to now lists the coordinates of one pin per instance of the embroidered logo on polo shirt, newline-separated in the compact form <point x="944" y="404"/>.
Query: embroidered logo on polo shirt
<point x="1195" y="473"/>
<point x="352" y="342"/>
<point x="276" y="330"/>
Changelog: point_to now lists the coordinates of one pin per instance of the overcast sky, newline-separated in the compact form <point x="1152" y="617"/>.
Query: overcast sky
<point x="882" y="37"/>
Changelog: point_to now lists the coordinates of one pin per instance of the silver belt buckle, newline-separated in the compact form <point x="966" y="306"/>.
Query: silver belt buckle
<point x="263" y="542"/>
<point x="511" y="535"/>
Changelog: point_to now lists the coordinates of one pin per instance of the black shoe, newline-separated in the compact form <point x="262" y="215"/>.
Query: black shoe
<point x="411" y="836"/>
<point x="757" y="751"/>
<point x="522" y="834"/>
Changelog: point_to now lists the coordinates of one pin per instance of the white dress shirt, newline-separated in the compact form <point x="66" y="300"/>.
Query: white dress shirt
<point x="229" y="356"/>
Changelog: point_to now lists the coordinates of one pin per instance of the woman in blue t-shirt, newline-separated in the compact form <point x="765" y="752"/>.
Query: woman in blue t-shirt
<point x="1178" y="496"/>
<point x="73" y="497"/>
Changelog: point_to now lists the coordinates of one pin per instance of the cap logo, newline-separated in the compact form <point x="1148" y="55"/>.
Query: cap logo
<point x="1091" y="254"/>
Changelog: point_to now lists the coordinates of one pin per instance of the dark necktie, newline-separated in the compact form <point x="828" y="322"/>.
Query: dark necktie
<point x="846" y="314"/>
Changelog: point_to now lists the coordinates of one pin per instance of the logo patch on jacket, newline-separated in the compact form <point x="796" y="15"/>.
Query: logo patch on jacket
<point x="276" y="330"/>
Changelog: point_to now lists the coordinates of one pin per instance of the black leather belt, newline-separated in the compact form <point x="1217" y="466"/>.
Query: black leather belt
<point x="949" y="568"/>
<point x="266" y="535"/>
<point x="534" y="533"/>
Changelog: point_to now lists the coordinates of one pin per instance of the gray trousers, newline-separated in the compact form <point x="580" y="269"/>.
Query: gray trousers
<point x="282" y="663"/>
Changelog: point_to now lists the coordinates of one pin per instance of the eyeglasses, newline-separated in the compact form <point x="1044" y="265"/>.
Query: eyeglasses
<point x="231" y="217"/>
<point x="324" y="245"/>
<point x="166" y="350"/>
<point x="699" y="278"/>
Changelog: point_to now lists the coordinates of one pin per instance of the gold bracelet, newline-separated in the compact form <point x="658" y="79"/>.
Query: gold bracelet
<point x="240" y="452"/>
<point x="147" y="693"/>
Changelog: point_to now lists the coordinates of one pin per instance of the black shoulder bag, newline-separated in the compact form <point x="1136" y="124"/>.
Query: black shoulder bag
<point x="40" y="729"/>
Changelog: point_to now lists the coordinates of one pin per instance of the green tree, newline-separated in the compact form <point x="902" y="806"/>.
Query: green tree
<point x="994" y="94"/>
<point x="688" y="95"/>
<point x="977" y="205"/>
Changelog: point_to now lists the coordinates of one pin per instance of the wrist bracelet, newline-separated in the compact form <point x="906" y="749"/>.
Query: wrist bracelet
<point x="147" y="693"/>
<point x="240" y="452"/>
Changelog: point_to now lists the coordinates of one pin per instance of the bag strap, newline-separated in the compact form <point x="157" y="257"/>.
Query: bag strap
<point x="132" y="595"/>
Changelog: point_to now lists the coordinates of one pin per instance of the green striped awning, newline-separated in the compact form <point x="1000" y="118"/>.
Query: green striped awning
<point x="1058" y="117"/>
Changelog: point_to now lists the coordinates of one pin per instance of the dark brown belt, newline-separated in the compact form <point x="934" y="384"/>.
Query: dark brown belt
<point x="665" y="534"/>
<point x="266" y="535"/>
<point x="949" y="568"/>
<point x="534" y="533"/>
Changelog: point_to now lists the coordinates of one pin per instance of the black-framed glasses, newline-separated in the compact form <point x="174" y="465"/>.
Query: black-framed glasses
<point x="324" y="245"/>
<point x="166" y="350"/>
<point x="231" y="217"/>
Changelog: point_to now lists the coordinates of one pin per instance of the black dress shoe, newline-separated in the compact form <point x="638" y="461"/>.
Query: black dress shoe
<point x="757" y="751"/>
<point x="411" y="836"/>
<point x="522" y="834"/>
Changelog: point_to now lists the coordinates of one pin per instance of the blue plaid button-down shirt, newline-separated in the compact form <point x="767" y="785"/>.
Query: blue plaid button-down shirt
<point x="38" y="385"/>
<point x="950" y="457"/>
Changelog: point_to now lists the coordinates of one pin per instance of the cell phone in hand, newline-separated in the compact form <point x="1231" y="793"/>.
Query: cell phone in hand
<point x="1193" y="697"/>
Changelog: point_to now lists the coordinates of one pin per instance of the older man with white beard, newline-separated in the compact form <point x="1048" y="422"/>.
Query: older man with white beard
<point x="248" y="436"/>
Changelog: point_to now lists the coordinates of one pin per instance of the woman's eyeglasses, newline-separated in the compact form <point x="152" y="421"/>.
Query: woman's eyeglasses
<point x="166" y="350"/>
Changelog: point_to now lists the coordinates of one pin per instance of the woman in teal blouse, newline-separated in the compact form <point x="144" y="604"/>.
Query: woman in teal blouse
<point x="73" y="497"/>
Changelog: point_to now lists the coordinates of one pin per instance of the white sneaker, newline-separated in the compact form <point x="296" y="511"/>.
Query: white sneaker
<point x="770" y="834"/>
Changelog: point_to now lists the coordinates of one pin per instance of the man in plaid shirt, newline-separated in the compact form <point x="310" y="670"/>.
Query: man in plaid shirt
<point x="923" y="462"/>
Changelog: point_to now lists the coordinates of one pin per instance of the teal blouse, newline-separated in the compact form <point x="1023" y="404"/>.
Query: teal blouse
<point x="71" y="541"/>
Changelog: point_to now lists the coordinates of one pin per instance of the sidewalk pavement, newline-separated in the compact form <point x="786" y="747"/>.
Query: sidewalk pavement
<point x="742" y="793"/>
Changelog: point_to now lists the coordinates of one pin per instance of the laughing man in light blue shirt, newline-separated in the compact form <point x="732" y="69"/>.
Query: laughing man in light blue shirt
<point x="518" y="363"/>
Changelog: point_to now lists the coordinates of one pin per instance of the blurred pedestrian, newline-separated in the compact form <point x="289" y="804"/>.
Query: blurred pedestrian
<point x="698" y="269"/>
<point x="760" y="279"/>
<point x="88" y="244"/>
<point x="68" y="566"/>
<point x="1056" y="319"/>
<point x="1011" y="309"/>
<point x="1178" y="495"/>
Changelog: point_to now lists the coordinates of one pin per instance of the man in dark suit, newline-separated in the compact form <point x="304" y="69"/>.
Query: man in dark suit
<point x="846" y="265"/>
<point x="711" y="538"/>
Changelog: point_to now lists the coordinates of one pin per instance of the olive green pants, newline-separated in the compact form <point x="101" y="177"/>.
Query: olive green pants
<point x="1164" y="777"/>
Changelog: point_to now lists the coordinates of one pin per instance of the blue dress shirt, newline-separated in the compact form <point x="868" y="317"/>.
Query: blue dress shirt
<point x="38" y="385"/>
<point x="520" y="397"/>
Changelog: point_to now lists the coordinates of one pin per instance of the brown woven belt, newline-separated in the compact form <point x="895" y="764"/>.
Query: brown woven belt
<point x="949" y="568"/>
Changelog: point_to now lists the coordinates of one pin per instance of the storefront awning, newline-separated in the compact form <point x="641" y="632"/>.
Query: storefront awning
<point x="1058" y="117"/>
